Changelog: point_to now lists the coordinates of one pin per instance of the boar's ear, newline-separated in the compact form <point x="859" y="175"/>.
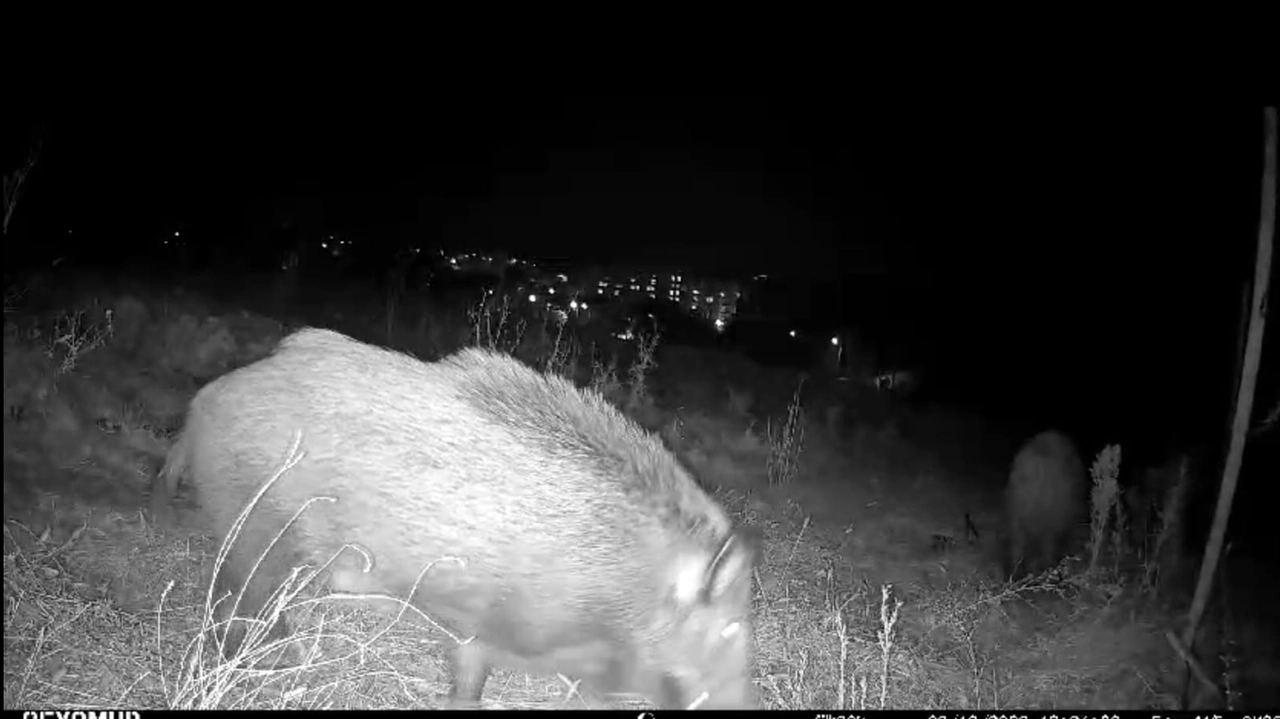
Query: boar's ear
<point x="706" y="577"/>
<point x="731" y="566"/>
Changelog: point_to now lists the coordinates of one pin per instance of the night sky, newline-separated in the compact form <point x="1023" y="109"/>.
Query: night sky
<point x="1090" y="252"/>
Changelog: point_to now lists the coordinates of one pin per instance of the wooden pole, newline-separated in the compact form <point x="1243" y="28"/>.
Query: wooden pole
<point x="1248" y="379"/>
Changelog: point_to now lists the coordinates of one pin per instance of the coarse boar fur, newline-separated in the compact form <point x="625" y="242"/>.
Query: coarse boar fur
<point x="588" y="550"/>
<point x="1044" y="501"/>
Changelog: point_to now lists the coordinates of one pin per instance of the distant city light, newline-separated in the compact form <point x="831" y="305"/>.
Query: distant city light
<point x="177" y="234"/>
<point x="710" y="301"/>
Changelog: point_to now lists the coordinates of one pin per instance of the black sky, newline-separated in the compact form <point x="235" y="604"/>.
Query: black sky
<point x="722" y="182"/>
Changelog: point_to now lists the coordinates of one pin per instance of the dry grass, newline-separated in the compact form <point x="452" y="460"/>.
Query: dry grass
<point x="786" y="444"/>
<point x="1104" y="503"/>
<point x="869" y="590"/>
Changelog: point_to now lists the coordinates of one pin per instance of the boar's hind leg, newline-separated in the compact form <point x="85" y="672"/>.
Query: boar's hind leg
<point x="249" y="596"/>
<point x="470" y="671"/>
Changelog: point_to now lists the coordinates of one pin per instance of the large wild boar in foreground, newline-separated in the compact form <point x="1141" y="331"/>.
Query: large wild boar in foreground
<point x="1044" y="500"/>
<point x="588" y="549"/>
